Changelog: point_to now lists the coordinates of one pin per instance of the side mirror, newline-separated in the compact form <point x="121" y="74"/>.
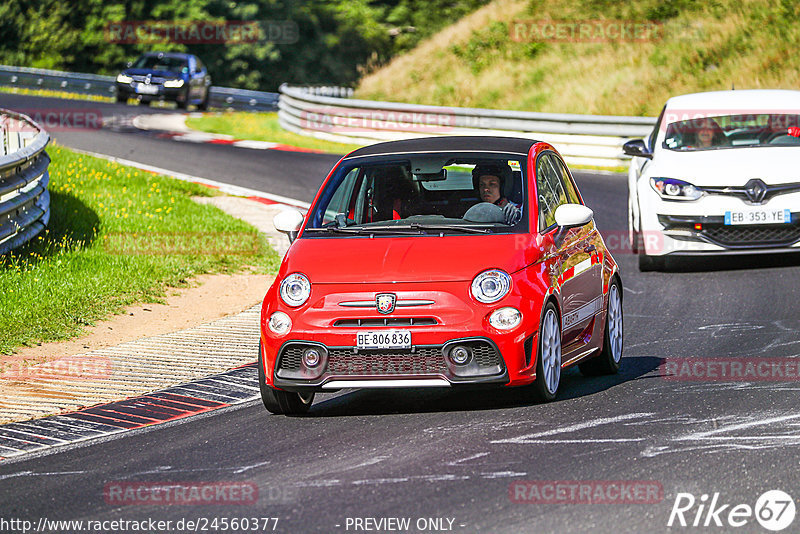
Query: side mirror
<point x="129" y="64"/>
<point x="572" y="215"/>
<point x="288" y="222"/>
<point x="637" y="148"/>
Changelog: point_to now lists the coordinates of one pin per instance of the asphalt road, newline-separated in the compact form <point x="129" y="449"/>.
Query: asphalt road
<point x="454" y="455"/>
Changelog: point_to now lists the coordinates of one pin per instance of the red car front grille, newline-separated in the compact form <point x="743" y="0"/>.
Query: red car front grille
<point x="344" y="362"/>
<point x="386" y="321"/>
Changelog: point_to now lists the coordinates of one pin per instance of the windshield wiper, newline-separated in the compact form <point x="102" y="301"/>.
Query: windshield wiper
<point x="447" y="227"/>
<point x="361" y="230"/>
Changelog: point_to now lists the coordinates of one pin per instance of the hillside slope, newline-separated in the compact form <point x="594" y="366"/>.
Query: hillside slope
<point x="705" y="46"/>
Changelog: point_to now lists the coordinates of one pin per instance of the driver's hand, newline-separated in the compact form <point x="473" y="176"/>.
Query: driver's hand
<point x="511" y="214"/>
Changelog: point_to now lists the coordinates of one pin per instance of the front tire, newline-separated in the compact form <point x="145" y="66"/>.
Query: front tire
<point x="548" y="359"/>
<point x="203" y="106"/>
<point x="609" y="360"/>
<point x="281" y="402"/>
<point x="185" y="103"/>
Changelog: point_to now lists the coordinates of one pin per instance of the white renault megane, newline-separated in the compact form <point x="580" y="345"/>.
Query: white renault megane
<point x="720" y="173"/>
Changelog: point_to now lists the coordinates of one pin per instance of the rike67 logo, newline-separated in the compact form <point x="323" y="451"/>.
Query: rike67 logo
<point x="774" y="510"/>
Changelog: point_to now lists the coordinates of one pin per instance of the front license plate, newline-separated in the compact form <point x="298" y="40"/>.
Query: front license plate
<point x="758" y="217"/>
<point x="384" y="339"/>
<point x="146" y="89"/>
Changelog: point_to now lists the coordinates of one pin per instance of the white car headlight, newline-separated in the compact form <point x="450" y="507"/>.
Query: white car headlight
<point x="173" y="83"/>
<point x="295" y="289"/>
<point x="672" y="189"/>
<point x="123" y="78"/>
<point x="279" y="323"/>
<point x="490" y="286"/>
<point x="505" y="318"/>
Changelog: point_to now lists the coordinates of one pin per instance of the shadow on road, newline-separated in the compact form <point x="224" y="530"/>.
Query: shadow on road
<point x="428" y="400"/>
<point x="732" y="263"/>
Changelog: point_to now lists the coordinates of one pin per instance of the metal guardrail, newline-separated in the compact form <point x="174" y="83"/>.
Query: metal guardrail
<point x="24" y="198"/>
<point x="582" y="139"/>
<point x="105" y="86"/>
<point x="242" y="99"/>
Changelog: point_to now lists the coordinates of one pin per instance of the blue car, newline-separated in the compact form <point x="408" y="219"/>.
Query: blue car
<point x="155" y="76"/>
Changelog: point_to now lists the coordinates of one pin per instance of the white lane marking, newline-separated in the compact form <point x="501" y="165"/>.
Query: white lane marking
<point x="35" y="474"/>
<point x="503" y="474"/>
<point x="371" y="461"/>
<point x="468" y="458"/>
<point x="587" y="440"/>
<point x="225" y="188"/>
<point x="709" y="434"/>
<point x="322" y="483"/>
<point x="249" y="467"/>
<point x="573" y="428"/>
<point x="381" y="481"/>
<point x="447" y="477"/>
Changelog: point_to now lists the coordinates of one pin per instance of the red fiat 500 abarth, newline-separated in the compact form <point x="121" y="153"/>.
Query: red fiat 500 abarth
<point x="440" y="262"/>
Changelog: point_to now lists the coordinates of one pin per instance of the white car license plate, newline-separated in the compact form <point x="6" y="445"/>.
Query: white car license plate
<point x="762" y="216"/>
<point x="383" y="339"/>
<point x="146" y="89"/>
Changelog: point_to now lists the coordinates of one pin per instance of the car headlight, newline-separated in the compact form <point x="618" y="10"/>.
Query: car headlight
<point x="123" y="78"/>
<point x="173" y="83"/>
<point x="279" y="323"/>
<point x="672" y="189"/>
<point x="295" y="289"/>
<point x="491" y="286"/>
<point x="505" y="318"/>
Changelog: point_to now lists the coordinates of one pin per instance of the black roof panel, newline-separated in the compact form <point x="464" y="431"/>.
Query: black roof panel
<point x="448" y="144"/>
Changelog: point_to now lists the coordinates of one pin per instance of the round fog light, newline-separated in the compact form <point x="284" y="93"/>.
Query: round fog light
<point x="279" y="323"/>
<point x="505" y="318"/>
<point x="459" y="355"/>
<point x="311" y="357"/>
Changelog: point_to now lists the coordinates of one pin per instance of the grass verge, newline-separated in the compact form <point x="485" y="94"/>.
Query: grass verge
<point x="702" y="46"/>
<point x="52" y="93"/>
<point x="262" y="127"/>
<point x="117" y="235"/>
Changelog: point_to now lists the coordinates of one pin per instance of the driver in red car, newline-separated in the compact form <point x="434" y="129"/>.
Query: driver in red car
<point x="489" y="181"/>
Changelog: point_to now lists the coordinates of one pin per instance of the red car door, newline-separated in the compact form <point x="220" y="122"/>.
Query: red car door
<point x="574" y="260"/>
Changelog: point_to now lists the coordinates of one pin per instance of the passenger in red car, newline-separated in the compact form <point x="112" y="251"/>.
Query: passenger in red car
<point x="394" y="194"/>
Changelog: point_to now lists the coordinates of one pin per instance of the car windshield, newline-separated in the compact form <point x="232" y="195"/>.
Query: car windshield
<point x="732" y="131"/>
<point x="165" y="63"/>
<point x="431" y="193"/>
